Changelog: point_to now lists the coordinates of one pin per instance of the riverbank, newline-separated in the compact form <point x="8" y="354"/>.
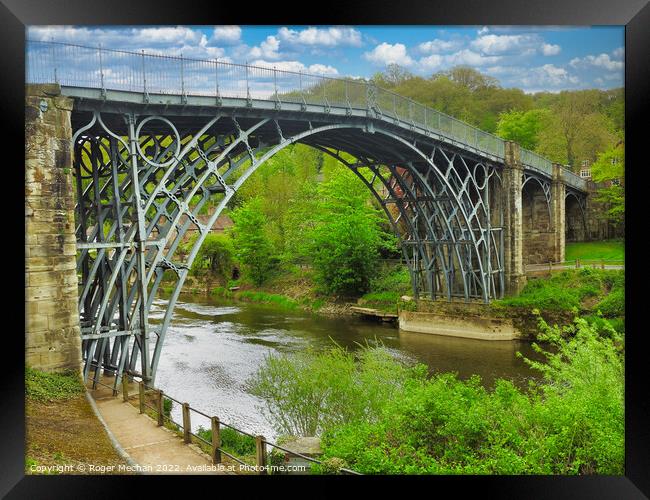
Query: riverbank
<point x="592" y="293"/>
<point x="63" y="434"/>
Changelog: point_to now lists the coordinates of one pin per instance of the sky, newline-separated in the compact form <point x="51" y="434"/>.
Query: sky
<point x="533" y="58"/>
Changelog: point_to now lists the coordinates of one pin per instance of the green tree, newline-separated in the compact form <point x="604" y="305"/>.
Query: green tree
<point x="610" y="168"/>
<point x="215" y="254"/>
<point x="522" y="127"/>
<point x="252" y="245"/>
<point x="344" y="236"/>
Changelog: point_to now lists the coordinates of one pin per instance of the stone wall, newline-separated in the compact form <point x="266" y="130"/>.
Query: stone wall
<point x="538" y="232"/>
<point x="52" y="334"/>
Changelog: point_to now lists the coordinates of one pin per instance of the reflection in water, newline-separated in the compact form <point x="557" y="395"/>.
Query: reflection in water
<point x="212" y="348"/>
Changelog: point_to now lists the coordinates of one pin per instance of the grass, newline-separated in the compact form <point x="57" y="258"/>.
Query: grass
<point x="588" y="290"/>
<point x="595" y="250"/>
<point x="384" y="301"/>
<point x="61" y="427"/>
<point x="43" y="387"/>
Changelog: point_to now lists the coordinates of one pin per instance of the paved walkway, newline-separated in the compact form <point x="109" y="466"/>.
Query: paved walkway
<point x="156" y="450"/>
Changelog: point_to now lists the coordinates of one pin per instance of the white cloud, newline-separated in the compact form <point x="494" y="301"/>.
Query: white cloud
<point x="431" y="62"/>
<point x="483" y="30"/>
<point x="296" y="66"/>
<point x="268" y="49"/>
<point x="385" y="53"/>
<point x="118" y="38"/>
<point x="600" y="61"/>
<point x="326" y="37"/>
<point x="619" y="53"/>
<point x="500" y="44"/>
<point x="471" y="58"/>
<point x="549" y="75"/>
<point x="437" y="45"/>
<point x="550" y="49"/>
<point x="229" y="34"/>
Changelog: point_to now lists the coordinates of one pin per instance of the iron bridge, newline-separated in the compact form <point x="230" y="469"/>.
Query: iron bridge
<point x="157" y="137"/>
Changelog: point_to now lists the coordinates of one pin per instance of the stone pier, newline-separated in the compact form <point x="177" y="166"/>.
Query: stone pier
<point x="52" y="334"/>
<point x="515" y="279"/>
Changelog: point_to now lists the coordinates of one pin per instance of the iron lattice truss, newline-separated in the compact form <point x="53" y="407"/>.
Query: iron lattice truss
<point x="142" y="180"/>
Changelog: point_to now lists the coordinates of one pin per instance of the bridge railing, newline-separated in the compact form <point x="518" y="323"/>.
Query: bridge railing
<point x="214" y="447"/>
<point x="148" y="73"/>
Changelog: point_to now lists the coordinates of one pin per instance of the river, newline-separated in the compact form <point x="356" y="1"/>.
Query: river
<point x="212" y="347"/>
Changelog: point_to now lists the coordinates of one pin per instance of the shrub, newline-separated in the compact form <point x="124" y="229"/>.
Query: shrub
<point x="307" y="392"/>
<point x="570" y="423"/>
<point x="232" y="441"/>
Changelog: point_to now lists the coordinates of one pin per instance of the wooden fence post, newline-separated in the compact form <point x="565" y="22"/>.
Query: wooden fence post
<point x="141" y="389"/>
<point x="125" y="387"/>
<point x="216" y="440"/>
<point x="187" y="426"/>
<point x="260" y="447"/>
<point x="161" y="420"/>
<point x="602" y="264"/>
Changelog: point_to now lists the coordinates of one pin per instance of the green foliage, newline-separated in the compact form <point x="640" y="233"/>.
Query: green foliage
<point x="570" y="423"/>
<point x="216" y="254"/>
<point x="231" y="441"/>
<point x="343" y="235"/>
<point x="267" y="298"/>
<point x="392" y="279"/>
<point x="522" y="127"/>
<point x="386" y="301"/>
<point x="610" y="166"/>
<point x="253" y="247"/>
<point x="43" y="386"/>
<point x="613" y="305"/>
<point x="304" y="393"/>
<point x="565" y="290"/>
<point x="168" y="404"/>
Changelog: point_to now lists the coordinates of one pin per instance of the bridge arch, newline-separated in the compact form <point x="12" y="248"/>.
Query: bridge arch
<point x="537" y="224"/>
<point x="171" y="168"/>
<point x="575" y="217"/>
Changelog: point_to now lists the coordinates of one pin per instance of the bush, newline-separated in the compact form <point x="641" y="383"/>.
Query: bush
<point x="216" y="255"/>
<point x="570" y="423"/>
<point x="613" y="305"/>
<point x="232" y="441"/>
<point x="380" y="416"/>
<point x="306" y="392"/>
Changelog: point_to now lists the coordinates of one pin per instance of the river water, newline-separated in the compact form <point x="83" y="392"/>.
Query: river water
<point x="212" y="347"/>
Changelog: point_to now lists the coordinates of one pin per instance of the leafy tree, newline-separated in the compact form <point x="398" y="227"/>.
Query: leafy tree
<point x="522" y="127"/>
<point x="470" y="78"/>
<point x="252" y="245"/>
<point x="609" y="167"/>
<point x="277" y="183"/>
<point x="344" y="236"/>
<point x="215" y="254"/>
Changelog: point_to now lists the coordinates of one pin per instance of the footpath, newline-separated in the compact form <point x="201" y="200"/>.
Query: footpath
<point x="153" y="449"/>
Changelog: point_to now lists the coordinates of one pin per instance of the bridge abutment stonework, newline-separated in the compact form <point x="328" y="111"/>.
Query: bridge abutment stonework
<point x="52" y="333"/>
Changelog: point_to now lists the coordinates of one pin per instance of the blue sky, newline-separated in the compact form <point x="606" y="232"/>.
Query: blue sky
<point x="534" y="58"/>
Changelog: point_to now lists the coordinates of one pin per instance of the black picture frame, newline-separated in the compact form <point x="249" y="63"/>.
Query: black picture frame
<point x="15" y="15"/>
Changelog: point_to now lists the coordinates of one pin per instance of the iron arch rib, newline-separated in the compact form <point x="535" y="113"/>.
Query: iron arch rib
<point x="141" y="186"/>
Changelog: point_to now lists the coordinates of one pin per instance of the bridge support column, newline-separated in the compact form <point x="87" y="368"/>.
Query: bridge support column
<point x="515" y="279"/>
<point x="52" y="333"/>
<point x="558" y="213"/>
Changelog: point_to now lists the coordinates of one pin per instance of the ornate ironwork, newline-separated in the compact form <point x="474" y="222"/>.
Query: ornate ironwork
<point x="149" y="156"/>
